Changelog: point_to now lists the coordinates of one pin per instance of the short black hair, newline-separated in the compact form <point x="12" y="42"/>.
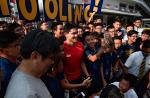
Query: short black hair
<point x="110" y="27"/>
<point x="41" y="41"/>
<point x="13" y="26"/>
<point x="98" y="24"/>
<point x="137" y="18"/>
<point x="7" y="37"/>
<point x="94" y="34"/>
<point x="147" y="32"/>
<point x="146" y="44"/>
<point x="129" y="25"/>
<point x="111" y="91"/>
<point x="130" y="78"/>
<point x="131" y="32"/>
<point x="40" y="23"/>
<point x="90" y="23"/>
<point x="55" y="24"/>
<point x="117" y="38"/>
<point x="117" y="20"/>
<point x="87" y="27"/>
<point x="85" y="34"/>
<point x="69" y="26"/>
<point x="95" y="17"/>
<point x="80" y="27"/>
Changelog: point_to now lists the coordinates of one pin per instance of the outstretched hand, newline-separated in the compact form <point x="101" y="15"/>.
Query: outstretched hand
<point x="87" y="82"/>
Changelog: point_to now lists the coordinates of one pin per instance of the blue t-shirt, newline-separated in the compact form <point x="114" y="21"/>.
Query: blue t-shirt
<point x="53" y="84"/>
<point x="120" y="33"/>
<point x="93" y="69"/>
<point x="108" y="60"/>
<point x="121" y="53"/>
<point x="7" y="67"/>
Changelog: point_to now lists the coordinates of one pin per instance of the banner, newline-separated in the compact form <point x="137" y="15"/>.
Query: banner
<point x="86" y="12"/>
<point x="28" y="10"/>
<point x="60" y="10"/>
<point x="4" y="8"/>
<point x="96" y="6"/>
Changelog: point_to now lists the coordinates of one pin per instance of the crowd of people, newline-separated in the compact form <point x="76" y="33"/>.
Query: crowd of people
<point x="67" y="60"/>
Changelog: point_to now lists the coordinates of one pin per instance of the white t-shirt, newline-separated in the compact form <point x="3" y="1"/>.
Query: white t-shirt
<point x="134" y="61"/>
<point x="125" y="38"/>
<point x="129" y="94"/>
<point x="140" y="30"/>
<point x="23" y="85"/>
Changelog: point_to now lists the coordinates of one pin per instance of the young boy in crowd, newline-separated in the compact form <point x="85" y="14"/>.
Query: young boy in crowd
<point x="91" y="26"/>
<point x="119" y="48"/>
<point x="9" y="51"/>
<point x="43" y="25"/>
<point x="128" y="28"/>
<point x="58" y="30"/>
<point x="118" y="69"/>
<point x="145" y="36"/>
<point x="38" y="51"/>
<point x="130" y="45"/>
<point x="108" y="61"/>
<point x="99" y="29"/>
<point x="117" y="26"/>
<point x="111" y="31"/>
<point x="126" y="86"/>
<point x="138" y="62"/>
<point x="93" y="64"/>
<point x="137" y="22"/>
<point x="80" y="34"/>
<point x="111" y="91"/>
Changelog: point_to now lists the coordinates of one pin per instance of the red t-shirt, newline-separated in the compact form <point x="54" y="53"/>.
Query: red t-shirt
<point x="72" y="60"/>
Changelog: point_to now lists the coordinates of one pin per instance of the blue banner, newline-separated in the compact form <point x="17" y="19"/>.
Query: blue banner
<point x="96" y="6"/>
<point x="59" y="10"/>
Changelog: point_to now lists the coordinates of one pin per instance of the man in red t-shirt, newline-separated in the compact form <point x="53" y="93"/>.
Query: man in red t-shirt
<point x="73" y="55"/>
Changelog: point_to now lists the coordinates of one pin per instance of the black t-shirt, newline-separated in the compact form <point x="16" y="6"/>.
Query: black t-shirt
<point x="129" y="49"/>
